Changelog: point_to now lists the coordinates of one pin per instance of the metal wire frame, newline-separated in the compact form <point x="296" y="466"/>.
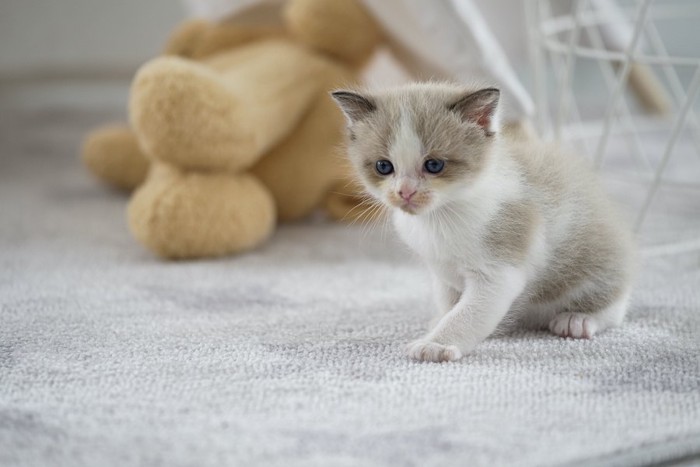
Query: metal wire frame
<point x="546" y="47"/>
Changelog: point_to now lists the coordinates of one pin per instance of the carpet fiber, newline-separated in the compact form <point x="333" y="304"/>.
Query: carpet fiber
<point x="292" y="355"/>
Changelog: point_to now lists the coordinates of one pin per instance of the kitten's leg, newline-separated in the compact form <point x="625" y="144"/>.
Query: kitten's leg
<point x="581" y="325"/>
<point x="484" y="302"/>
<point x="446" y="297"/>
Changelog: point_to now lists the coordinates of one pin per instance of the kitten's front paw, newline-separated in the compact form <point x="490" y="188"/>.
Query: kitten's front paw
<point x="426" y="351"/>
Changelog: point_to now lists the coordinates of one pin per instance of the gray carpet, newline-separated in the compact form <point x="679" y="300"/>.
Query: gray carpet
<point x="292" y="355"/>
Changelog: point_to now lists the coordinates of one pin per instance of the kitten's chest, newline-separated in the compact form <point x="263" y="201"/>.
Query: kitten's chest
<point x="450" y="246"/>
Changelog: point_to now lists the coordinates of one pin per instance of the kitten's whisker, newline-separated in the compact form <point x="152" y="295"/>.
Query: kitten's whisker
<point x="385" y="223"/>
<point x="347" y="195"/>
<point x="458" y="219"/>
<point x="367" y="211"/>
<point x="369" y="223"/>
<point x="359" y="205"/>
<point x="454" y="222"/>
<point x="370" y="214"/>
<point x="362" y="216"/>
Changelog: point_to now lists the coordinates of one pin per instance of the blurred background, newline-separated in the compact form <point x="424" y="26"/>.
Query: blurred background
<point x="73" y="60"/>
<point x="79" y="52"/>
<point x="84" y="38"/>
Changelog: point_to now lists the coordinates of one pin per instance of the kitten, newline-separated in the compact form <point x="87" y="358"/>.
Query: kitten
<point x="509" y="228"/>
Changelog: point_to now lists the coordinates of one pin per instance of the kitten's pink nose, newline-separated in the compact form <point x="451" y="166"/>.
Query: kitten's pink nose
<point x="406" y="193"/>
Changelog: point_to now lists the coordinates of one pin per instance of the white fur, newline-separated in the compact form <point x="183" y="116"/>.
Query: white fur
<point x="406" y="150"/>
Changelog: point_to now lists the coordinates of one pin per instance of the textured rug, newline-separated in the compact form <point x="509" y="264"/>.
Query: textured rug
<point x="292" y="355"/>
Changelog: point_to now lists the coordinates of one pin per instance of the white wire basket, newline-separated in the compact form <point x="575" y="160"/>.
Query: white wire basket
<point x="618" y="80"/>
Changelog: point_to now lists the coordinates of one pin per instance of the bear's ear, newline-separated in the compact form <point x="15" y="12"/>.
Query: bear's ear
<point x="354" y="106"/>
<point x="479" y="107"/>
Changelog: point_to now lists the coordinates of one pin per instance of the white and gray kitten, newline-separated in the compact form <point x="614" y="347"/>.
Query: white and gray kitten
<point x="510" y="229"/>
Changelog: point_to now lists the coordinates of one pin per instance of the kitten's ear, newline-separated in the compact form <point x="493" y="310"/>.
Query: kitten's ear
<point x="479" y="107"/>
<point x="354" y="106"/>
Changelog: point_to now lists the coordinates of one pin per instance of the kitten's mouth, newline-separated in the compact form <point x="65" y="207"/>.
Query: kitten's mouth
<point x="410" y="207"/>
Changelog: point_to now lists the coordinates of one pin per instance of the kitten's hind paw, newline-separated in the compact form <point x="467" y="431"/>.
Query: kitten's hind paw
<point x="576" y="325"/>
<point x="426" y="351"/>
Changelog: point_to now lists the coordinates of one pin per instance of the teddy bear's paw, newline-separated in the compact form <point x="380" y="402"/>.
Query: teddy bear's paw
<point x="184" y="115"/>
<point x="112" y="154"/>
<point x="180" y="214"/>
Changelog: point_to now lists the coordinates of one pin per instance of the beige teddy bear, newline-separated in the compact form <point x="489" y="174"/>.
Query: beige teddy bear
<point x="235" y="129"/>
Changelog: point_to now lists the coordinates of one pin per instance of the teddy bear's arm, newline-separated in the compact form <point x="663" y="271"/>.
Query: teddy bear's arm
<point x="197" y="39"/>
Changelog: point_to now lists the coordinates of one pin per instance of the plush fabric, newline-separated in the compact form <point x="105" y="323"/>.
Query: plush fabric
<point x="237" y="130"/>
<point x="292" y="355"/>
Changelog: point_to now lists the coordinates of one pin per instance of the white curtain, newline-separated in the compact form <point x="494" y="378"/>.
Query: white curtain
<point x="443" y="40"/>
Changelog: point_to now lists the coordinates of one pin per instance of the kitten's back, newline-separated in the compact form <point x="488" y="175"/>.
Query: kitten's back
<point x="589" y="243"/>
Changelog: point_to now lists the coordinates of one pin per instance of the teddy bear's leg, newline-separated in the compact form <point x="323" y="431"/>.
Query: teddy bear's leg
<point x="301" y="169"/>
<point x="112" y="153"/>
<point x="192" y="116"/>
<point x="185" y="116"/>
<point x="188" y="214"/>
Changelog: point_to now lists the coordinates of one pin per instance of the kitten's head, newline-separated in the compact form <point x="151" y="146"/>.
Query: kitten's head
<point x="418" y="146"/>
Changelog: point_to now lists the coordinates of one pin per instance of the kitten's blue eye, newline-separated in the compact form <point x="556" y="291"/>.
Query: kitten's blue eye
<point x="434" y="166"/>
<point x="384" y="167"/>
